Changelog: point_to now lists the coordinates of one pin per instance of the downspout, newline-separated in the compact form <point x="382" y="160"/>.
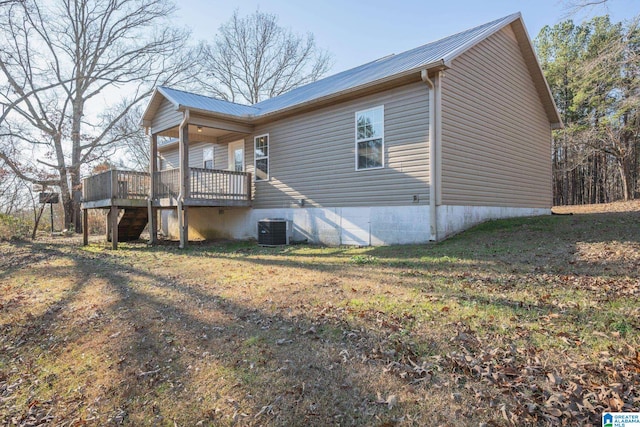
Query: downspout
<point x="433" y="220"/>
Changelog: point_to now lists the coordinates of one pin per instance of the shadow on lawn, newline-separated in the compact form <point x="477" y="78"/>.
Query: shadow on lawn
<point x="523" y="245"/>
<point x="163" y="347"/>
<point x="530" y="246"/>
<point x="155" y="334"/>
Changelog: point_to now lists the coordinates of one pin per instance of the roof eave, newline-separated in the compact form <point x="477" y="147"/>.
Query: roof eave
<point x="545" y="91"/>
<point x="152" y="106"/>
<point x="337" y="96"/>
<point x="482" y="36"/>
<point x="240" y="118"/>
<point x="525" y="42"/>
<point x="251" y="119"/>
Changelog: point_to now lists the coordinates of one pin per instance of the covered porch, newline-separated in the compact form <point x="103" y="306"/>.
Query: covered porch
<point x="188" y="120"/>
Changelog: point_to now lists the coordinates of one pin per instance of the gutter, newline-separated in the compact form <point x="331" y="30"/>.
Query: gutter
<point x="433" y="216"/>
<point x="335" y="97"/>
<point x="260" y="118"/>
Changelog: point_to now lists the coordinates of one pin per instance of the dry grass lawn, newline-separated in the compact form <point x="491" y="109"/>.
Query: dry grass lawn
<point x="530" y="321"/>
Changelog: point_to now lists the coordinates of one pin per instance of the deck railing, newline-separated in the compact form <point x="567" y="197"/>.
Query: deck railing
<point x="205" y="184"/>
<point x="167" y="184"/>
<point x="220" y="184"/>
<point x="116" y="184"/>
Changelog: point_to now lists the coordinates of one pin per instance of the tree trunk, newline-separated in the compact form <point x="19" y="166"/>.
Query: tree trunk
<point x="625" y="178"/>
<point x="67" y="204"/>
<point x="76" y="123"/>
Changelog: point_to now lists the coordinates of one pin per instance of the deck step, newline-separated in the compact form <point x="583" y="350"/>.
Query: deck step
<point x="131" y="224"/>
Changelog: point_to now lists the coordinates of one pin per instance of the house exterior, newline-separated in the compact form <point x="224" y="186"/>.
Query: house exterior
<point x="411" y="148"/>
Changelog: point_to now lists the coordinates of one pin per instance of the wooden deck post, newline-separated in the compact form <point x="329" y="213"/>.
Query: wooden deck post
<point x="114" y="184"/>
<point x="153" y="163"/>
<point x="185" y="191"/>
<point x="185" y="226"/>
<point x="113" y="220"/>
<point x="153" y="222"/>
<point x="249" y="182"/>
<point x="85" y="227"/>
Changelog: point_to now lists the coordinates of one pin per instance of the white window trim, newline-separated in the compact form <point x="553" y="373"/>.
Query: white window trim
<point x="255" y="158"/>
<point x="213" y="156"/>
<point x="357" y="140"/>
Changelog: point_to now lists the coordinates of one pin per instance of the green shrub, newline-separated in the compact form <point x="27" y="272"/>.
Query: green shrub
<point x="364" y="259"/>
<point x="12" y="227"/>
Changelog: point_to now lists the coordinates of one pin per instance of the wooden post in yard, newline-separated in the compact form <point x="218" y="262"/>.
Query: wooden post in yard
<point x="85" y="227"/>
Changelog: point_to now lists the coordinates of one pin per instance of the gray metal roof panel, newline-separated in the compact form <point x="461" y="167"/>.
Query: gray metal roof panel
<point x="441" y="50"/>
<point x="206" y="103"/>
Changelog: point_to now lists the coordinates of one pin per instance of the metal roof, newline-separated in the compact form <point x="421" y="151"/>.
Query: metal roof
<point x="200" y="102"/>
<point x="442" y="50"/>
<point x="430" y="55"/>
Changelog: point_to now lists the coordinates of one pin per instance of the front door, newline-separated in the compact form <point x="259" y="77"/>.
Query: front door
<point x="236" y="156"/>
<point x="237" y="184"/>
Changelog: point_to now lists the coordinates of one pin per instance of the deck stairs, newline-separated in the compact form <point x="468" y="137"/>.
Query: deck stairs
<point x="131" y="224"/>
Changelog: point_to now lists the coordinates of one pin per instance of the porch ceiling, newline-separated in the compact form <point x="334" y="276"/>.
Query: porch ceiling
<point x="198" y="133"/>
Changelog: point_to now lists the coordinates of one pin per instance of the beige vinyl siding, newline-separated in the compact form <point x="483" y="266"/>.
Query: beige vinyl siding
<point x="496" y="137"/>
<point x="166" y="117"/>
<point x="312" y="156"/>
<point x="171" y="157"/>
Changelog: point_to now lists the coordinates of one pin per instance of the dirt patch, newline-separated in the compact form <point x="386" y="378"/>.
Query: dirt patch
<point x="630" y="206"/>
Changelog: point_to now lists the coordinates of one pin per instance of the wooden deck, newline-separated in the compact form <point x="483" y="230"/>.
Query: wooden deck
<point x="117" y="190"/>
<point x="207" y="187"/>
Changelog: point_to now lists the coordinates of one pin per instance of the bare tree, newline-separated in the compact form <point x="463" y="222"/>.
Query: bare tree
<point x="253" y="59"/>
<point x="133" y="140"/>
<point x="72" y="70"/>
<point x="576" y="7"/>
<point x="11" y="193"/>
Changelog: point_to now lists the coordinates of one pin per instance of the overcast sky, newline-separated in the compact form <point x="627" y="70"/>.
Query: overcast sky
<point x="356" y="32"/>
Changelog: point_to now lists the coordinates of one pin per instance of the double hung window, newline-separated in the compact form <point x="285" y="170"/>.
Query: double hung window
<point x="261" y="157"/>
<point x="370" y="138"/>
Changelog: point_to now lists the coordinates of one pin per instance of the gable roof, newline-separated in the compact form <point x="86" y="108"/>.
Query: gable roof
<point x="437" y="54"/>
<point x="193" y="101"/>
